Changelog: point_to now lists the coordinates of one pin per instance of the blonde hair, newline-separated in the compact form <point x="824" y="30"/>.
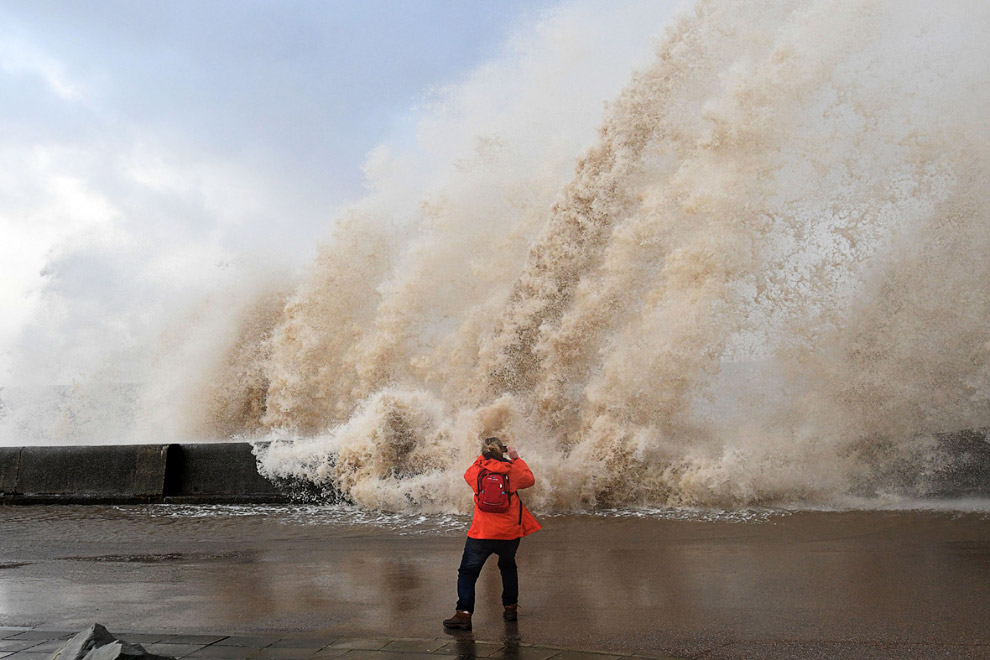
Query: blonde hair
<point x="492" y="448"/>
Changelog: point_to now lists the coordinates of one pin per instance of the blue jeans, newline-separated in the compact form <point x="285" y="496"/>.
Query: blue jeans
<point x="476" y="552"/>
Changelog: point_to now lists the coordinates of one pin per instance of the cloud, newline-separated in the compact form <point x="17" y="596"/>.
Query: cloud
<point x="209" y="146"/>
<point x="147" y="147"/>
<point x="20" y="58"/>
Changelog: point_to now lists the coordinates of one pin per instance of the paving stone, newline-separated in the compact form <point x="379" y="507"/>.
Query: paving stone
<point x="41" y="635"/>
<point x="312" y="643"/>
<point x="176" y="650"/>
<point x="583" y="655"/>
<point x="787" y="649"/>
<point x="256" y="641"/>
<point x="13" y="645"/>
<point x="214" y="651"/>
<point x="141" y="638"/>
<point x="361" y="644"/>
<point x="330" y="653"/>
<point x="365" y="654"/>
<point x="415" y="645"/>
<point x="9" y="631"/>
<point x="49" y="647"/>
<point x="524" y="653"/>
<point x="470" y="647"/>
<point x="202" y="640"/>
<point x="280" y="654"/>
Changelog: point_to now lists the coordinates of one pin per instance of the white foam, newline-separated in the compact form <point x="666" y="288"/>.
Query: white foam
<point x="765" y="284"/>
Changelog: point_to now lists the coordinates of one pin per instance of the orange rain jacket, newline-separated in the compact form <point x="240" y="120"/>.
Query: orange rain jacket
<point x="506" y="526"/>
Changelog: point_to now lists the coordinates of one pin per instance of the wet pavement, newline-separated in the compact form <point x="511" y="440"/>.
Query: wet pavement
<point x="854" y="584"/>
<point x="28" y="643"/>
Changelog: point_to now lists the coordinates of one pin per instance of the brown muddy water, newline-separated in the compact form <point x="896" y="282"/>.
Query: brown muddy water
<point x="702" y="584"/>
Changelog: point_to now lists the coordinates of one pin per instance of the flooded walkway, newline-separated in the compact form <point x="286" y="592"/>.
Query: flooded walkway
<point x="768" y="584"/>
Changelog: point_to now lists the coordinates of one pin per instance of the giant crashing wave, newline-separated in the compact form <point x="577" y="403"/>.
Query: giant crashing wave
<point x="766" y="283"/>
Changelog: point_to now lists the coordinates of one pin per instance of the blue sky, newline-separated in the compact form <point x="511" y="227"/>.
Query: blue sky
<point x="148" y="145"/>
<point x="239" y="123"/>
<point x="305" y="88"/>
<point x="296" y="81"/>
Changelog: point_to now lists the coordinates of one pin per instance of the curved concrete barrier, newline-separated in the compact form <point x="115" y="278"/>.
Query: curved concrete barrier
<point x="207" y="473"/>
<point x="221" y="472"/>
<point x="959" y="466"/>
<point x="89" y="474"/>
<point x="10" y="460"/>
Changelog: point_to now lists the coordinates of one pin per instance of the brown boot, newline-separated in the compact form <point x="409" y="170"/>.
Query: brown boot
<point x="460" y="620"/>
<point x="511" y="612"/>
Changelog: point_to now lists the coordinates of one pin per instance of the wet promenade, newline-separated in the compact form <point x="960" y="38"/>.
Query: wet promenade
<point x="28" y="643"/>
<point x="716" y="586"/>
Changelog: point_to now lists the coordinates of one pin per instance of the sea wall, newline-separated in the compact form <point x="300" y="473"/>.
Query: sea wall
<point x="128" y="474"/>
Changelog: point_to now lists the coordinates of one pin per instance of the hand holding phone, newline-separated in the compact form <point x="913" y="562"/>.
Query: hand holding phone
<point x="513" y="454"/>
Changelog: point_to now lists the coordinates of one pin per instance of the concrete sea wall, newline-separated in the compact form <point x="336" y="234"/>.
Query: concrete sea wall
<point x="125" y="474"/>
<point x="957" y="466"/>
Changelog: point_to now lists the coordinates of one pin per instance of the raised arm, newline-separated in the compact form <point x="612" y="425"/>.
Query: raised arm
<point x="520" y="476"/>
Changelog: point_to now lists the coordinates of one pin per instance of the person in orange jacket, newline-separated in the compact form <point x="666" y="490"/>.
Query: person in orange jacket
<point x="494" y="532"/>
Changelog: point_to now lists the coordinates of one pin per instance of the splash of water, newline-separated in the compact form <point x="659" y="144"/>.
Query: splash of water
<point x="770" y="266"/>
<point x="766" y="282"/>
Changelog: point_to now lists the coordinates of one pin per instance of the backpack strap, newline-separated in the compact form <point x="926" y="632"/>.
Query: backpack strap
<point x="516" y="493"/>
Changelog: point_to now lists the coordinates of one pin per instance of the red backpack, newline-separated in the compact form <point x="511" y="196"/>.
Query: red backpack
<point x="493" y="491"/>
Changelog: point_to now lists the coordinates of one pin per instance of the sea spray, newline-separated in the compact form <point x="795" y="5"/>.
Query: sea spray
<point x="773" y="260"/>
<point x="765" y="282"/>
<point x="774" y="257"/>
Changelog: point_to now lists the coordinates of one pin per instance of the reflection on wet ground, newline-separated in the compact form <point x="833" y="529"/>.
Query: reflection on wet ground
<point x="39" y="644"/>
<point x="688" y="584"/>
